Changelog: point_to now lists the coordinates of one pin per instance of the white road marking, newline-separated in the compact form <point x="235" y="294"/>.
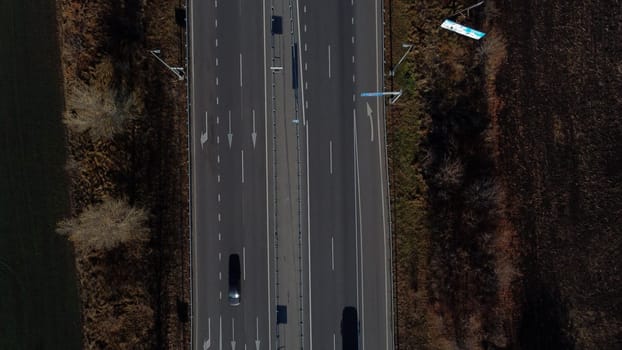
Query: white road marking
<point x="218" y="178"/>
<point x="216" y="23"/>
<point x="257" y="342"/>
<point x="305" y="47"/>
<point x="265" y="93"/>
<point x="306" y="86"/>
<point x="352" y="20"/>
<point x="216" y="99"/>
<point x="329" y="61"/>
<point x="307" y="104"/>
<point x="360" y="231"/>
<point x="220" y="329"/>
<point x="254" y="133"/>
<point x="215" y="3"/>
<point x="352" y="40"/>
<point x="208" y="342"/>
<point x="305" y="66"/>
<point x="353" y="97"/>
<point x="332" y="254"/>
<point x="232" y="333"/>
<point x="353" y="78"/>
<point x="334" y="342"/>
<point x="220" y="275"/>
<point x="219" y="236"/>
<point x="230" y="134"/>
<point x="356" y="213"/>
<point x="219" y="198"/>
<point x="204" y="136"/>
<point x="216" y="61"/>
<point x="304" y="8"/>
<point x="217" y="120"/>
<point x="219" y="256"/>
<point x="352" y="58"/>
<point x="305" y="28"/>
<point x="371" y="121"/>
<point x="218" y="159"/>
<point x="217" y="139"/>
<point x="330" y="155"/>
<point x="216" y="42"/>
<point x="219" y="217"/>
<point x="220" y="297"/>
<point x="216" y="81"/>
<point x="240" y="70"/>
<point x="242" y="166"/>
<point x="244" y="261"/>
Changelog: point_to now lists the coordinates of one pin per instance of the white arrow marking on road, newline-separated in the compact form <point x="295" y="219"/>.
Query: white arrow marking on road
<point x="371" y="122"/>
<point x="204" y="135"/>
<point x="242" y="166"/>
<point x="208" y="342"/>
<point x="254" y="133"/>
<point x="257" y="337"/>
<point x="220" y="332"/>
<point x="230" y="135"/>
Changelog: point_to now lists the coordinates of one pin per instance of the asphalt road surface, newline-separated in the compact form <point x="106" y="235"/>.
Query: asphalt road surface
<point x="289" y="171"/>
<point x="229" y="188"/>
<point x="341" y="56"/>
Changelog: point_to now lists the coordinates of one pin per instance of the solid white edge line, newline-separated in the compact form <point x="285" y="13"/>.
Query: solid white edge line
<point x="360" y="231"/>
<point x="265" y="92"/>
<point x="356" y="213"/>
<point x="194" y="315"/>
<point x="306" y="124"/>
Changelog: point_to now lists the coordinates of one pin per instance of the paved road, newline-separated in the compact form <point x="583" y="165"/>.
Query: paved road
<point x="341" y="56"/>
<point x="229" y="188"/>
<point x="304" y="203"/>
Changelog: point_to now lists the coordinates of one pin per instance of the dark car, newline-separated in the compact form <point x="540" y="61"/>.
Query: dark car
<point x="235" y="289"/>
<point x="350" y="328"/>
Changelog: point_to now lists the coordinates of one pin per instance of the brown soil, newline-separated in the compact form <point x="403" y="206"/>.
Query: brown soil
<point x="560" y="156"/>
<point x="135" y="296"/>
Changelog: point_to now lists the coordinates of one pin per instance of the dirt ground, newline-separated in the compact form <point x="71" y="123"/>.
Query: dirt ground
<point x="560" y="156"/>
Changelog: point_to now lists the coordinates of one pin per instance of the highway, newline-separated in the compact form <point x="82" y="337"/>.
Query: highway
<point x="289" y="171"/>
<point x="341" y="44"/>
<point x="229" y="188"/>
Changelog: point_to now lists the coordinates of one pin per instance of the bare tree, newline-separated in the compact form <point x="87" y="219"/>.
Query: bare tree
<point x="96" y="107"/>
<point x="105" y="226"/>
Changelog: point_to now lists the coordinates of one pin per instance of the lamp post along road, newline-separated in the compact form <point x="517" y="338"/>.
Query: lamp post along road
<point x="406" y="46"/>
<point x="178" y="71"/>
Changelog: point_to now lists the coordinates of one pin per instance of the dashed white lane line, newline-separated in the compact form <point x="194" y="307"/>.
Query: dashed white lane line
<point x="215" y="3"/>
<point x="219" y="275"/>
<point x="218" y="159"/>
<point x="305" y="66"/>
<point x="219" y="198"/>
<point x="216" y="23"/>
<point x="305" y="47"/>
<point x="352" y="40"/>
<point x="219" y="256"/>
<point x="219" y="236"/>
<point x="353" y="78"/>
<point x="307" y="104"/>
<point x="219" y="217"/>
<point x="329" y="73"/>
<point x="216" y="61"/>
<point x="304" y="9"/>
<point x="352" y="58"/>
<point x="240" y="70"/>
<point x="218" y="178"/>
<point x="216" y="81"/>
<point x="242" y="166"/>
<point x="352" y="20"/>
<point x="305" y="27"/>
<point x="332" y="258"/>
<point x="217" y="100"/>
<point x="330" y="155"/>
<point x="217" y="139"/>
<point x="216" y="42"/>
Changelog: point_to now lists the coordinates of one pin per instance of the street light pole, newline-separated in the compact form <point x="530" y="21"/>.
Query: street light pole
<point x="409" y="47"/>
<point x="178" y="71"/>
